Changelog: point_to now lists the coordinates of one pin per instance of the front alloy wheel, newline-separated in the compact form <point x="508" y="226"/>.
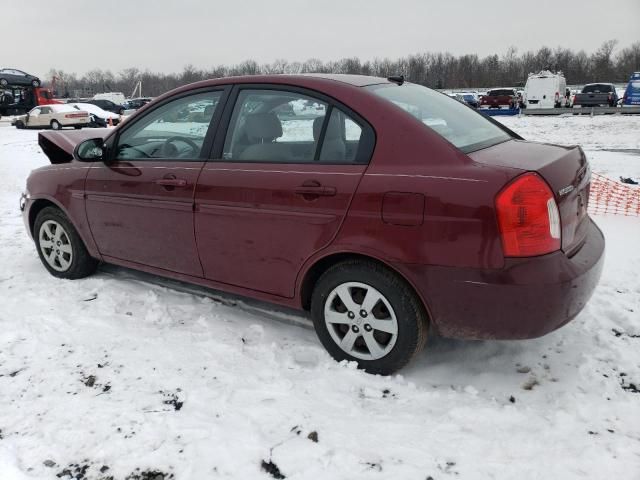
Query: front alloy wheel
<point x="55" y="246"/>
<point x="60" y="247"/>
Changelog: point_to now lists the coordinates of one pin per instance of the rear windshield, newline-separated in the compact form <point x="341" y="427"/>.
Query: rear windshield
<point x="459" y="124"/>
<point x="597" y="88"/>
<point x="500" y="93"/>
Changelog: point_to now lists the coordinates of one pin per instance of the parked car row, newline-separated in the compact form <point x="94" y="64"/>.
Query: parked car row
<point x="549" y="90"/>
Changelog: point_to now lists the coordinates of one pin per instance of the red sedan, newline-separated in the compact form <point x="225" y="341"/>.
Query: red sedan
<point x="382" y="207"/>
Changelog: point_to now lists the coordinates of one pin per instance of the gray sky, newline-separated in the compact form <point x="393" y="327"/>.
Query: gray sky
<point x="80" y="35"/>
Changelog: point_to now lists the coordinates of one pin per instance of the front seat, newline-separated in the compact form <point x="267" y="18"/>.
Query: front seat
<point x="333" y="148"/>
<point x="262" y="129"/>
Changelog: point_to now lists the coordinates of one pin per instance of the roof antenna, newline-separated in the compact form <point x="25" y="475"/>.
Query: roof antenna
<point x="399" y="79"/>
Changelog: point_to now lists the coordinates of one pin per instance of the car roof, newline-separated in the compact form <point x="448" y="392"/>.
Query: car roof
<point x="355" y="80"/>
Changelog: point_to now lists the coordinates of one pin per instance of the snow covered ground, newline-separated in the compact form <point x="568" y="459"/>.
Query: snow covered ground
<point x="117" y="377"/>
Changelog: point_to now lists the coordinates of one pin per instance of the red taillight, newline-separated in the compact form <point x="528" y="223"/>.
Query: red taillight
<point x="528" y="217"/>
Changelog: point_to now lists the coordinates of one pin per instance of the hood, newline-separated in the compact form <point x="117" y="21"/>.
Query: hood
<point x="59" y="145"/>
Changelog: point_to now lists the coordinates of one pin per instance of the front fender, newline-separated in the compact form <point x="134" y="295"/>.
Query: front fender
<point x="63" y="187"/>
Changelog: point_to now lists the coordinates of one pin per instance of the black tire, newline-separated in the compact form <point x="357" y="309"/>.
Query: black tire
<point x="19" y="124"/>
<point x="55" y="125"/>
<point x="81" y="264"/>
<point x="412" y="324"/>
<point x="35" y="83"/>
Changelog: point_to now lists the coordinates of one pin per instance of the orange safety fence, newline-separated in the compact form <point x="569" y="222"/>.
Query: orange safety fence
<point x="611" y="197"/>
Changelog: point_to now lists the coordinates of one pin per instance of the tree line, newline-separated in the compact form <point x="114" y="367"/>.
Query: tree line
<point x="435" y="70"/>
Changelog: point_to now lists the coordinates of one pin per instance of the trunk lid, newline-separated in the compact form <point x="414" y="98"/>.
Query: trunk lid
<point x="565" y="169"/>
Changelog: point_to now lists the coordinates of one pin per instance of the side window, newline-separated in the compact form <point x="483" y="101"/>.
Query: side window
<point x="35" y="112"/>
<point x="341" y="139"/>
<point x="274" y="126"/>
<point x="176" y="130"/>
<point x="46" y="110"/>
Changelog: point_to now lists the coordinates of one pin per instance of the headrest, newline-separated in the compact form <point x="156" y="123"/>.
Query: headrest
<point x="333" y="129"/>
<point x="263" y="126"/>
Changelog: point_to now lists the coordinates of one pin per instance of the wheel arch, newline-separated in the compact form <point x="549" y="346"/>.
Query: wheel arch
<point x="321" y="265"/>
<point x="40" y="204"/>
<point x="37" y="206"/>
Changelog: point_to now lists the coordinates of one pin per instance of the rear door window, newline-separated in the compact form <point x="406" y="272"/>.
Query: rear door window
<point x="341" y="138"/>
<point x="275" y="126"/>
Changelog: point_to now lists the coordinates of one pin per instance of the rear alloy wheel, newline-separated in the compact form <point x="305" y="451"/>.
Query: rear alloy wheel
<point x="35" y="83"/>
<point x="3" y="82"/>
<point x="60" y="248"/>
<point x="55" y="125"/>
<point x="365" y="313"/>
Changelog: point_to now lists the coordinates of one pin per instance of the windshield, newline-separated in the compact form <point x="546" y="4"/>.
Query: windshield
<point x="460" y="125"/>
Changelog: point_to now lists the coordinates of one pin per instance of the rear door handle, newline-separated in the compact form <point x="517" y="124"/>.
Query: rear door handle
<point x="171" y="182"/>
<point x="316" y="191"/>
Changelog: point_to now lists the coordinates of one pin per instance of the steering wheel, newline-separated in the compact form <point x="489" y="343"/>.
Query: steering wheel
<point x="127" y="146"/>
<point x="169" y="150"/>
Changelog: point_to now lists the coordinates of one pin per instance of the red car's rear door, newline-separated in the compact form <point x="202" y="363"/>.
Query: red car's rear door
<point x="273" y="197"/>
<point x="140" y="203"/>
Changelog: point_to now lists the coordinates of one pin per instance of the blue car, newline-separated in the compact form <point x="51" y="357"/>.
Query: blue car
<point x="632" y="93"/>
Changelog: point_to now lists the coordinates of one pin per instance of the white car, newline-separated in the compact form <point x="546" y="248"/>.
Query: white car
<point x="53" y="116"/>
<point x="546" y="90"/>
<point x="99" y="117"/>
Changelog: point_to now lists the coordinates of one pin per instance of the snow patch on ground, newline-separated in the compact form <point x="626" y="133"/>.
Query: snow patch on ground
<point x="114" y="376"/>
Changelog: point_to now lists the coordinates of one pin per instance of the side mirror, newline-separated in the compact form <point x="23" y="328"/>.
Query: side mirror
<point x="91" y="150"/>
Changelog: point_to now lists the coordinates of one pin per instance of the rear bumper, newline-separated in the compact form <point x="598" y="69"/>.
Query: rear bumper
<point x="528" y="298"/>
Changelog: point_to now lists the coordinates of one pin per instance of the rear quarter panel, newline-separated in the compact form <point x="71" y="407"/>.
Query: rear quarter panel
<point x="457" y="224"/>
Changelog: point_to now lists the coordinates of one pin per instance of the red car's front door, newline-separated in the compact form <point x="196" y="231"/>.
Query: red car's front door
<point x="140" y="203"/>
<point x="275" y="197"/>
<point x="142" y="212"/>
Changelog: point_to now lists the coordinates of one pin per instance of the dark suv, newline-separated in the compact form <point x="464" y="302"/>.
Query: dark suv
<point x="108" y="105"/>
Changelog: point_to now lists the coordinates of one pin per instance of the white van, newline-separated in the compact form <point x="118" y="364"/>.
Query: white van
<point x="115" y="97"/>
<point x="545" y="90"/>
